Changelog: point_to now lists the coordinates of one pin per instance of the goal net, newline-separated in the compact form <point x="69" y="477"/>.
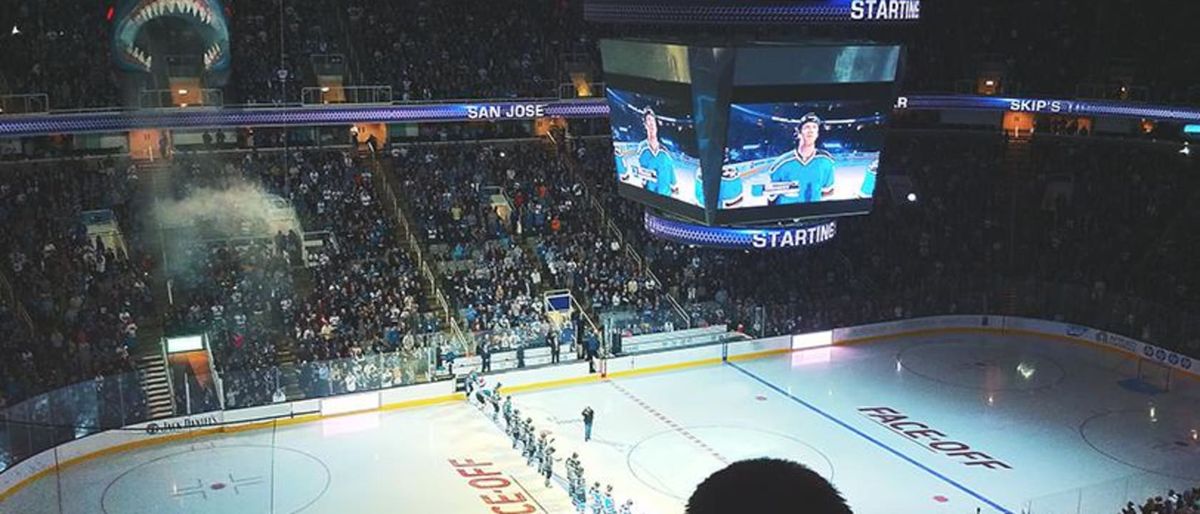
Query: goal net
<point x="1154" y="374"/>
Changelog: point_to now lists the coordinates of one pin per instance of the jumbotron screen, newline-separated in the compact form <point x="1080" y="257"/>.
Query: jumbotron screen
<point x="654" y="145"/>
<point x="806" y="158"/>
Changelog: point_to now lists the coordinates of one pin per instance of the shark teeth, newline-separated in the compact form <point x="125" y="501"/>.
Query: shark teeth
<point x="212" y="55"/>
<point x="140" y="56"/>
<point x="158" y="8"/>
<point x="193" y="9"/>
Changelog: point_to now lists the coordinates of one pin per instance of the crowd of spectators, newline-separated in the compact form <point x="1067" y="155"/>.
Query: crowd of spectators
<point x="1185" y="502"/>
<point x="54" y="51"/>
<point x="510" y="221"/>
<point x="84" y="294"/>
<point x="430" y="50"/>
<point x="362" y="295"/>
<point x="304" y="28"/>
<point x="233" y="294"/>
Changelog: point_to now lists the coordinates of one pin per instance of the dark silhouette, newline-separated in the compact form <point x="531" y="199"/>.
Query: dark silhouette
<point x="766" y="486"/>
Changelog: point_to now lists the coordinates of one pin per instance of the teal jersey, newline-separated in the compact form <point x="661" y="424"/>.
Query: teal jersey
<point x="814" y="177"/>
<point x="658" y="169"/>
<point x="622" y="170"/>
<point x="868" y="186"/>
<point x="731" y="189"/>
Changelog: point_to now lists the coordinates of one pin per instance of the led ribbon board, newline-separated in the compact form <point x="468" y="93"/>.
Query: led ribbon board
<point x="1101" y="108"/>
<point x="757" y="12"/>
<point x="200" y="118"/>
<point x="732" y="238"/>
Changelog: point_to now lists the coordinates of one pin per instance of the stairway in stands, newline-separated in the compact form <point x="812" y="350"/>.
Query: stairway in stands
<point x="390" y="199"/>
<point x="285" y="346"/>
<point x="152" y="372"/>
<point x="154" y="178"/>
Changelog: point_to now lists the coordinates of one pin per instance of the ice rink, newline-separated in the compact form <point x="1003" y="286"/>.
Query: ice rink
<point x="939" y="424"/>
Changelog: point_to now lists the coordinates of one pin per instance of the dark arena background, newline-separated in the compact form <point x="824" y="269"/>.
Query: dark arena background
<point x="599" y="256"/>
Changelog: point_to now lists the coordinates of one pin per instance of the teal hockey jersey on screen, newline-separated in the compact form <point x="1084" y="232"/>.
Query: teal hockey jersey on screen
<point x="814" y="176"/>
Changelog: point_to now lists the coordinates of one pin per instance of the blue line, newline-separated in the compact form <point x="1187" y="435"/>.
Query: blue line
<point x="863" y="435"/>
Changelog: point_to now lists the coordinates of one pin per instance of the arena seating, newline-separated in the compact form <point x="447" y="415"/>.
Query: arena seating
<point x="496" y="270"/>
<point x="359" y="295"/>
<point x="53" y="53"/>
<point x="84" y="297"/>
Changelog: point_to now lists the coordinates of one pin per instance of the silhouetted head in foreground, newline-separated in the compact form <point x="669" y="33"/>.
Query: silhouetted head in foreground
<point x="766" y="486"/>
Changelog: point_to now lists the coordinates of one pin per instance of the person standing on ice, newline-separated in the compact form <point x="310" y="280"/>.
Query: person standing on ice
<point x="610" y="505"/>
<point x="627" y="507"/>
<point x="469" y="383"/>
<point x="547" y="467"/>
<point x="588" y="417"/>
<point x="597" y="498"/>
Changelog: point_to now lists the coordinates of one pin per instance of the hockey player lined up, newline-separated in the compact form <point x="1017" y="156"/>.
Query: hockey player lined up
<point x="539" y="449"/>
<point x="514" y="428"/>
<point x="804" y="174"/>
<point x="627" y="507"/>
<point x="494" y="399"/>
<point x="572" y="465"/>
<point x="610" y="506"/>
<point x="547" y="466"/>
<point x="507" y="410"/>
<point x="529" y="440"/>
<point x="597" y="498"/>
<point x="576" y="487"/>
<point x="470" y="383"/>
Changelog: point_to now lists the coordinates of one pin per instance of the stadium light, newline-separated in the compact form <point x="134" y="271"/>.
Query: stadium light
<point x="183" y="91"/>
<point x="324" y="89"/>
<point x="989" y="82"/>
<point x="912" y="197"/>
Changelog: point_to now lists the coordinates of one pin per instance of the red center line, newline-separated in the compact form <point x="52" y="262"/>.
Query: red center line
<point x="669" y="422"/>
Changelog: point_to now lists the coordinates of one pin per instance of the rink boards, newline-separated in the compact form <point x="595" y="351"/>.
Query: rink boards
<point x="163" y="431"/>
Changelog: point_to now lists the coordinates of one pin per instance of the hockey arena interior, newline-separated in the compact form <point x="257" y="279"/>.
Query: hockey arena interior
<point x="599" y="257"/>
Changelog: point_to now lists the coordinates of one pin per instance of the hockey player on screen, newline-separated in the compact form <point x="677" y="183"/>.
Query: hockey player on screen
<point x="868" y="186"/>
<point x="804" y="174"/>
<point x="655" y="167"/>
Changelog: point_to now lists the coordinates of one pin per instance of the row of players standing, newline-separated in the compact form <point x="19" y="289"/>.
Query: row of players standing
<point x="538" y="450"/>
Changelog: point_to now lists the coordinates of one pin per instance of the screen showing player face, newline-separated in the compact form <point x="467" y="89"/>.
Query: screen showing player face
<point x="800" y="152"/>
<point x="654" y="145"/>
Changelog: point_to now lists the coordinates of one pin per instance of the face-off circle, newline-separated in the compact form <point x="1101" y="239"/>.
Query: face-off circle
<point x="1165" y="446"/>
<point x="983" y="365"/>
<point x="219" y="479"/>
